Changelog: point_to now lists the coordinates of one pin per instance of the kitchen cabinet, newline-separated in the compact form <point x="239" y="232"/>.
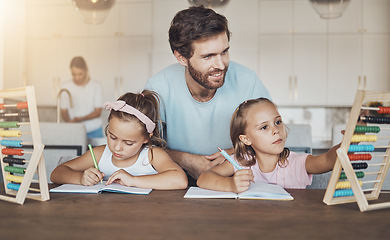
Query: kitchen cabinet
<point x="294" y="70"/>
<point x="124" y="67"/>
<point x="117" y="52"/>
<point x="48" y="65"/>
<point x="53" y="20"/>
<point x="326" y="61"/>
<point x="359" y="51"/>
<point x="292" y="53"/>
<point x="132" y="18"/>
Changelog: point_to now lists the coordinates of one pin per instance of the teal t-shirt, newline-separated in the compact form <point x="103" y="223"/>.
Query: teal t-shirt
<point x="201" y="127"/>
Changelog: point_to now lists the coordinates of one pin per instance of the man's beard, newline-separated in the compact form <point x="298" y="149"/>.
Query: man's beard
<point x="202" y="79"/>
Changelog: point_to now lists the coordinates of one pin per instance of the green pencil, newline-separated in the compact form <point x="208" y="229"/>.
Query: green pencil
<point x="94" y="159"/>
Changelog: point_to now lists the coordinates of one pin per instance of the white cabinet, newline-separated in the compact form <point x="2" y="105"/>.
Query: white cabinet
<point x="359" y="51"/>
<point x="292" y="52"/>
<point x="124" y="67"/>
<point x="125" y="19"/>
<point x="117" y="52"/>
<point x="326" y="61"/>
<point x="48" y="65"/>
<point x="294" y="70"/>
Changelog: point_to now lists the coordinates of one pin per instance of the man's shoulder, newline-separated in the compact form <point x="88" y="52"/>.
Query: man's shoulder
<point x="168" y="78"/>
<point x="173" y="71"/>
<point x="237" y="70"/>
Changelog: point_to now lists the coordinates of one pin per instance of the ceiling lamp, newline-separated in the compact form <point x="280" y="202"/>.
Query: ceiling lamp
<point x="209" y="3"/>
<point x="94" y="11"/>
<point x="329" y="9"/>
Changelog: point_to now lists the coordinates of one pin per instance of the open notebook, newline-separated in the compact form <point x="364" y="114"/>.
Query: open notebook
<point x="256" y="191"/>
<point x="98" y="188"/>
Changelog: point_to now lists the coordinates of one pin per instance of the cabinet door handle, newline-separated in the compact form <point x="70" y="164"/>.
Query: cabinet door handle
<point x="53" y="88"/>
<point x="116" y="88"/>
<point x="359" y="83"/>
<point x="364" y="82"/>
<point x="295" y="88"/>
<point x="290" y="88"/>
<point x="120" y="85"/>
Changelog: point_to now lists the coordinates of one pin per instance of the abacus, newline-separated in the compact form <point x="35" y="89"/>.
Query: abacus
<point x="17" y="178"/>
<point x="347" y="183"/>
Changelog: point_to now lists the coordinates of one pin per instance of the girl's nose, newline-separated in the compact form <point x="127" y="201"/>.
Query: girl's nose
<point x="275" y="130"/>
<point x="118" y="146"/>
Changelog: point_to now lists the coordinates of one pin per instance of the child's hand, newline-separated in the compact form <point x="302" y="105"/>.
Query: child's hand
<point x="122" y="177"/>
<point x="91" y="176"/>
<point x="241" y="180"/>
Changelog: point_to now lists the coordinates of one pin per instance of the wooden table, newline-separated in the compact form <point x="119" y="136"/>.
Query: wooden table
<point x="167" y="215"/>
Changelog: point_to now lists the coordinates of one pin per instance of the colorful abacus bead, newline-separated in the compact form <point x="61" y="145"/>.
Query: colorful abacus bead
<point x="343" y="193"/>
<point x="10" y="151"/>
<point x="361" y="148"/>
<point x="11" y="143"/>
<point x="366" y="129"/>
<point x="383" y="110"/>
<point x="359" y="174"/>
<point x="359" y="157"/>
<point x="364" y="138"/>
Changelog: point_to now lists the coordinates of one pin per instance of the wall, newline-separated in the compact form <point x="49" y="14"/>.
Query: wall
<point x="1" y="43"/>
<point x="244" y="49"/>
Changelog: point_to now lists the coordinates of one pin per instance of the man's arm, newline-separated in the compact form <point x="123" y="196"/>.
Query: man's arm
<point x="196" y="164"/>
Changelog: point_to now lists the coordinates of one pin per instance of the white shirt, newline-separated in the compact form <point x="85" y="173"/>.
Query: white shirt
<point x="85" y="99"/>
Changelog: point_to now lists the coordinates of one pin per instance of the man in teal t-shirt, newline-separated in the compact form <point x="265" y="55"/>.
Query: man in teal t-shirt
<point x="200" y="93"/>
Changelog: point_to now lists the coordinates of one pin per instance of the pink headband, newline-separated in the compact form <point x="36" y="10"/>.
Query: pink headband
<point x="123" y="107"/>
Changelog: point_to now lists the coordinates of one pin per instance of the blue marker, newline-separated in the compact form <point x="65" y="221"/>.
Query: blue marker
<point x="230" y="159"/>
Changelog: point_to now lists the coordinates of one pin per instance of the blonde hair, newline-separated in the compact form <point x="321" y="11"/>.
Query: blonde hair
<point x="245" y="154"/>
<point x="79" y="62"/>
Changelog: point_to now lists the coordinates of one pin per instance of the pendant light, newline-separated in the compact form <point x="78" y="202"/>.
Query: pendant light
<point x="329" y="9"/>
<point x="94" y="11"/>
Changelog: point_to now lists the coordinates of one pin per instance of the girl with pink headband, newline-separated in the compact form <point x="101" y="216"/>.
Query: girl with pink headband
<point x="134" y="154"/>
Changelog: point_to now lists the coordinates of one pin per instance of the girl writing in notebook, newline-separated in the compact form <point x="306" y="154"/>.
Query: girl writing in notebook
<point x="133" y="155"/>
<point x="258" y="135"/>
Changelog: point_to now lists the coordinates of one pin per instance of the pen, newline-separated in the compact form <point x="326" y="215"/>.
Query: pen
<point x="229" y="158"/>
<point x="94" y="159"/>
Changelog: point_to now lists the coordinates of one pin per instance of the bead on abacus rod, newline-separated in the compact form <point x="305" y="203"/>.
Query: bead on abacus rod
<point x="11" y="160"/>
<point x="364" y="148"/>
<point x="380" y="120"/>
<point x="13" y="124"/>
<point x="20" y="105"/>
<point x="14" y="143"/>
<point x="380" y="110"/>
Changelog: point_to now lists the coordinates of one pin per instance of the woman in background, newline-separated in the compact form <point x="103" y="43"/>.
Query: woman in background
<point x="87" y="99"/>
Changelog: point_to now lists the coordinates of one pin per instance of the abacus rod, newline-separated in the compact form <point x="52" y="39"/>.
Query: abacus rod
<point x="376" y="164"/>
<point x="371" y="181"/>
<point x="23" y="123"/>
<point x="369" y="189"/>
<point x="11" y="114"/>
<point x="35" y="189"/>
<point x="381" y="146"/>
<point x="10" y="105"/>
<point x="379" y="155"/>
<point x="370" y="108"/>
<point x="371" y="173"/>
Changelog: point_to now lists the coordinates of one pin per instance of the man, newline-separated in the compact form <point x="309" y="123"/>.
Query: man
<point x="200" y="93"/>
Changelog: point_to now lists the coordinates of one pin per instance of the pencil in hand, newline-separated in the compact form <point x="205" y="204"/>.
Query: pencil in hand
<point x="93" y="158"/>
<point x="230" y="159"/>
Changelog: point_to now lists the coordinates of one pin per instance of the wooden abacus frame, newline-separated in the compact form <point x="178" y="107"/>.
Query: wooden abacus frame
<point x="344" y="163"/>
<point x="36" y="163"/>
